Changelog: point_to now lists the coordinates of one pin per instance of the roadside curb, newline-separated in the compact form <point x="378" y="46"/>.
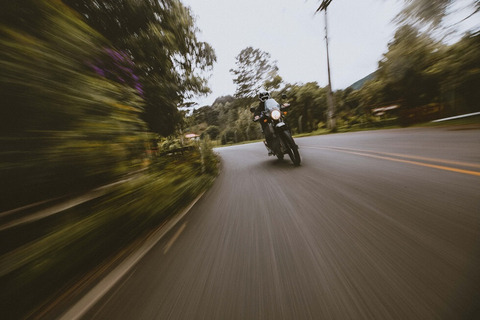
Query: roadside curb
<point x="81" y="307"/>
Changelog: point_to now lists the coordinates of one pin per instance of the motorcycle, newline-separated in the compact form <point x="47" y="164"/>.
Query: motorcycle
<point x="278" y="138"/>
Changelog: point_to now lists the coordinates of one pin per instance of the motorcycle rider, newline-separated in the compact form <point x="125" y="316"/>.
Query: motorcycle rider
<point x="263" y="96"/>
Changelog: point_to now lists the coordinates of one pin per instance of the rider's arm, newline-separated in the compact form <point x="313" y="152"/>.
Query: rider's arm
<point x="258" y="111"/>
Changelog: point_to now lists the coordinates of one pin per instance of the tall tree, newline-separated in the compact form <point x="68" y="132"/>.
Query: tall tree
<point x="160" y="37"/>
<point x="253" y="69"/>
<point x="308" y="106"/>
<point x="431" y="13"/>
<point x="403" y="69"/>
<point x="458" y="73"/>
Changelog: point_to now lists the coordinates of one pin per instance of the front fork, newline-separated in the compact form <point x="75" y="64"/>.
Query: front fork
<point x="283" y="132"/>
<point x="277" y="138"/>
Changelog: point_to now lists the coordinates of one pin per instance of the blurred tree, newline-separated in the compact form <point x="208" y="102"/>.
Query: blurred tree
<point x="458" y="72"/>
<point x="402" y="71"/>
<point x="273" y="83"/>
<point x="206" y="114"/>
<point x="308" y="106"/>
<point x="228" y="136"/>
<point x="160" y="37"/>
<point x="223" y="114"/>
<point x="244" y="126"/>
<point x="253" y="70"/>
<point x="67" y="122"/>
<point x="351" y="100"/>
<point x="312" y="100"/>
<point x="213" y="132"/>
<point x="431" y="13"/>
<point x="345" y="100"/>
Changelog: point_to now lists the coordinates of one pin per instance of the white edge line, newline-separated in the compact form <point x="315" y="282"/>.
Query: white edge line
<point x="96" y="293"/>
<point x="458" y="117"/>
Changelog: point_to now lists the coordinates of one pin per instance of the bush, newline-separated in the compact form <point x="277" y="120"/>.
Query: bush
<point x="213" y="132"/>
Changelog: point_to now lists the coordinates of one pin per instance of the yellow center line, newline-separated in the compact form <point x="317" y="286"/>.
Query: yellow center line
<point x="456" y="163"/>
<point x="445" y="168"/>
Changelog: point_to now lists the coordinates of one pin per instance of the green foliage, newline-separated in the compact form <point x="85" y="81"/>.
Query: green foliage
<point x="78" y="99"/>
<point x="169" y="144"/>
<point x="209" y="160"/>
<point x="308" y="106"/>
<point x="228" y="136"/>
<point x="459" y="90"/>
<point x="63" y="126"/>
<point x="213" y="132"/>
<point x="245" y="128"/>
<point x="430" y="13"/>
<point x="206" y="114"/>
<point x="273" y="83"/>
<point x="422" y="75"/>
<point x="371" y="95"/>
<point x="160" y="37"/>
<point x="402" y="71"/>
<point x="424" y="12"/>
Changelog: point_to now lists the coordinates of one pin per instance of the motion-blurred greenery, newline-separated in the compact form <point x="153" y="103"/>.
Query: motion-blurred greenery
<point x="82" y="108"/>
<point x="71" y="244"/>
<point x="63" y="126"/>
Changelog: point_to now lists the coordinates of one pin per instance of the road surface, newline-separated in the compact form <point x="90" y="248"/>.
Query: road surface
<point x="372" y="225"/>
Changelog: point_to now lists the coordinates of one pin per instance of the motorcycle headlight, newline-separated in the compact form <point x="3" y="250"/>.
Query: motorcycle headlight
<point x="276" y="114"/>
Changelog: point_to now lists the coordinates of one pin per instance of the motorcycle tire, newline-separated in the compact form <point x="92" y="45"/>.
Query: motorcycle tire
<point x="296" y="156"/>
<point x="292" y="149"/>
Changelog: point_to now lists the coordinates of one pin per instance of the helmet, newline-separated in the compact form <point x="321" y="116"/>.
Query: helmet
<point x="264" y="96"/>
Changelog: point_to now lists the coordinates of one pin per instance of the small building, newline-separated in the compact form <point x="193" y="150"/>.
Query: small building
<point x="384" y="110"/>
<point x="192" y="136"/>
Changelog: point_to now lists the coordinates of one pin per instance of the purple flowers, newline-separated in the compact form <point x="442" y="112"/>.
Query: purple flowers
<point x="117" y="66"/>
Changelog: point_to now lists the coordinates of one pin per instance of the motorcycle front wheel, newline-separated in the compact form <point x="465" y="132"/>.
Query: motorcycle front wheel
<point x="294" y="156"/>
<point x="292" y="149"/>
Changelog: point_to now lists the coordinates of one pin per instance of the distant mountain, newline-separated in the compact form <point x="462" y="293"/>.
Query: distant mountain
<point x="357" y="85"/>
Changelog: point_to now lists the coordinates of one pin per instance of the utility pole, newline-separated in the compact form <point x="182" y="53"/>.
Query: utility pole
<point x="332" y="123"/>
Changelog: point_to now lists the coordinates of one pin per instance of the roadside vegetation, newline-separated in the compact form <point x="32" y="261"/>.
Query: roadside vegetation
<point x="40" y="261"/>
<point x="90" y="94"/>
<point x="89" y="90"/>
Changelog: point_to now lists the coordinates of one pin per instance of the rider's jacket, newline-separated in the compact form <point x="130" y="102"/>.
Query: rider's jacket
<point x="259" y="109"/>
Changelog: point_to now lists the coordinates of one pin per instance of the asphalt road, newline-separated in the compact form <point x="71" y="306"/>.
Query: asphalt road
<point x="372" y="225"/>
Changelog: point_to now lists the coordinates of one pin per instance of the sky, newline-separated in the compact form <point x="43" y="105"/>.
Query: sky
<point x="359" y="33"/>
